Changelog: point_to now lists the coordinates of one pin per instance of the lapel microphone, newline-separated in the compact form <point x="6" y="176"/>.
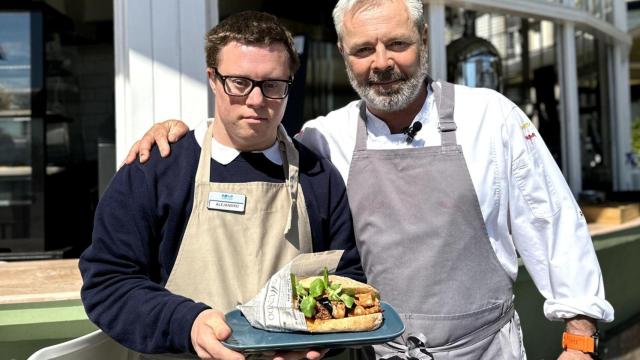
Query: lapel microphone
<point x="411" y="131"/>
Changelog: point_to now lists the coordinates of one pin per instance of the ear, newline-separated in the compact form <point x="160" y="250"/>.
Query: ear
<point x="340" y="48"/>
<point x="210" y="78"/>
<point x="425" y="35"/>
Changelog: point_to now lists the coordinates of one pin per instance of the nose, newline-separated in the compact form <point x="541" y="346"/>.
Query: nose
<point x="255" y="97"/>
<point x="381" y="60"/>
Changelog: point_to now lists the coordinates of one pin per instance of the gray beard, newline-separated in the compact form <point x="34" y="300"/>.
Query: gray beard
<point x="395" y="99"/>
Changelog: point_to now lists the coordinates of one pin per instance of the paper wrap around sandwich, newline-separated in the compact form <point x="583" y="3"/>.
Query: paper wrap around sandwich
<point x="272" y="309"/>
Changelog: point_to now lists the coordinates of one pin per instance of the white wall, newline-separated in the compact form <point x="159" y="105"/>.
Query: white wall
<point x="623" y="172"/>
<point x="435" y="17"/>
<point x="160" y="64"/>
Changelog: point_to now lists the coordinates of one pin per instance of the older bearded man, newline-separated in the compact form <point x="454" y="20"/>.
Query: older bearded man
<point x="439" y="213"/>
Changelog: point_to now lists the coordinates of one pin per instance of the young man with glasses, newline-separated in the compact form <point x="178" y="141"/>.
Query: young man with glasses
<point x="178" y="243"/>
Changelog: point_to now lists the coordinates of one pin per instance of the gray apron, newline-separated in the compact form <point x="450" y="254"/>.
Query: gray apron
<point x="425" y="247"/>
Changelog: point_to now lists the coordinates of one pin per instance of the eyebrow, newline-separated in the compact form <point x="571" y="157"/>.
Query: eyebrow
<point x="364" y="43"/>
<point x="286" y="78"/>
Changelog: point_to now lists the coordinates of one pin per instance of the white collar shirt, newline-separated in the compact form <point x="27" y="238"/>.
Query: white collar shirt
<point x="225" y="154"/>
<point x="524" y="199"/>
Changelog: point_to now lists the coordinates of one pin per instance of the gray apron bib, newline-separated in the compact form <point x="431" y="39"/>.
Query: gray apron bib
<point x="425" y="247"/>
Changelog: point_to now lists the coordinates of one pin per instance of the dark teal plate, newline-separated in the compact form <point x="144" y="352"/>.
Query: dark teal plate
<point x="247" y="338"/>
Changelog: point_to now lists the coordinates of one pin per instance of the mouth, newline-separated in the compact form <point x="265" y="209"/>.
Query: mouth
<point x="384" y="88"/>
<point x="254" y="119"/>
<point x="384" y="83"/>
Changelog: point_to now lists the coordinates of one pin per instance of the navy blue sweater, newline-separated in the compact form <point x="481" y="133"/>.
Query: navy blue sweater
<point x="139" y="224"/>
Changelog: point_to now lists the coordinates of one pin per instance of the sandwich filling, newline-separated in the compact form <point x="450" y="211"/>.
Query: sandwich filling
<point x="333" y="297"/>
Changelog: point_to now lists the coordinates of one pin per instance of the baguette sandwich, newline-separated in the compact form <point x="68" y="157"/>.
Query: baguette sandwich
<point x="332" y="303"/>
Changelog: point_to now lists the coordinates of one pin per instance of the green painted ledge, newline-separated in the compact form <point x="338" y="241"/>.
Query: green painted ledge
<point x="28" y="327"/>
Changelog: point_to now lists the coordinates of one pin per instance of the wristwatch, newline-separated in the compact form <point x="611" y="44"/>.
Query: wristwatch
<point x="586" y="344"/>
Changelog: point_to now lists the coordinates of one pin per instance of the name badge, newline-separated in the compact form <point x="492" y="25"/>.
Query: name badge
<point x="226" y="201"/>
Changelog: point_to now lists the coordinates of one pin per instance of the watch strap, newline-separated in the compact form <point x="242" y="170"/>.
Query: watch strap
<point x="586" y="344"/>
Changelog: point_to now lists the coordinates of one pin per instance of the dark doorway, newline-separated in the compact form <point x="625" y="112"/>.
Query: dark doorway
<point x="56" y="106"/>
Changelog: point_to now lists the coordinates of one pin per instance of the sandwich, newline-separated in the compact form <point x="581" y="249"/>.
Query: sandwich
<point x="332" y="303"/>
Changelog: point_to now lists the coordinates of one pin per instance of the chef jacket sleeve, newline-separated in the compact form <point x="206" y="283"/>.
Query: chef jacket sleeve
<point x="119" y="268"/>
<point x="311" y="136"/>
<point x="548" y="228"/>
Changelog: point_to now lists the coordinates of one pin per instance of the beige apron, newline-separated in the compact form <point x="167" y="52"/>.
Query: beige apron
<point x="226" y="257"/>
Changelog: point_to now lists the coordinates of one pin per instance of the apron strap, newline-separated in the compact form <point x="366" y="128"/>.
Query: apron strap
<point x="290" y="162"/>
<point x="445" y="100"/>
<point x="361" y="133"/>
<point x="203" y="175"/>
<point x="415" y="345"/>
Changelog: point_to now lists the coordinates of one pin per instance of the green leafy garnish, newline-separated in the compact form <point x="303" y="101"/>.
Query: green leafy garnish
<point x="308" y="306"/>
<point x="294" y="282"/>
<point x="350" y="292"/>
<point x="347" y="300"/>
<point x="301" y="290"/>
<point x="326" y="277"/>
<point x="298" y="289"/>
<point x="316" y="288"/>
<point x="334" y="292"/>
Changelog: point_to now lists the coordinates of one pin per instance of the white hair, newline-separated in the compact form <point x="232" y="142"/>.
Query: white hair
<point x="343" y="6"/>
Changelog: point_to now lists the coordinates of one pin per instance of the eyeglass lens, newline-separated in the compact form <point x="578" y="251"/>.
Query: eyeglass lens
<point x="270" y="88"/>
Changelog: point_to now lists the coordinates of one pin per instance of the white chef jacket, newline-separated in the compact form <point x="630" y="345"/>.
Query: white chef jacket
<point x="525" y="201"/>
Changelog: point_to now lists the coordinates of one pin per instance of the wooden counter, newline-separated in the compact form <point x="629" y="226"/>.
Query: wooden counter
<point x="596" y="229"/>
<point x="55" y="280"/>
<point x="39" y="281"/>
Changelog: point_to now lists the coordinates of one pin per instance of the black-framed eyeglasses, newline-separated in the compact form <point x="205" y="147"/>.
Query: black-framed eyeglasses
<point x="242" y="86"/>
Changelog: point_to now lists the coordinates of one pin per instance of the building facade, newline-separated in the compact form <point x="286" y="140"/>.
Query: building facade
<point x="565" y="63"/>
<point x="81" y="80"/>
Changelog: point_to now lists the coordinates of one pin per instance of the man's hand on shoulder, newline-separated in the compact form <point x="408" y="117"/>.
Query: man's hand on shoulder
<point x="163" y="133"/>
